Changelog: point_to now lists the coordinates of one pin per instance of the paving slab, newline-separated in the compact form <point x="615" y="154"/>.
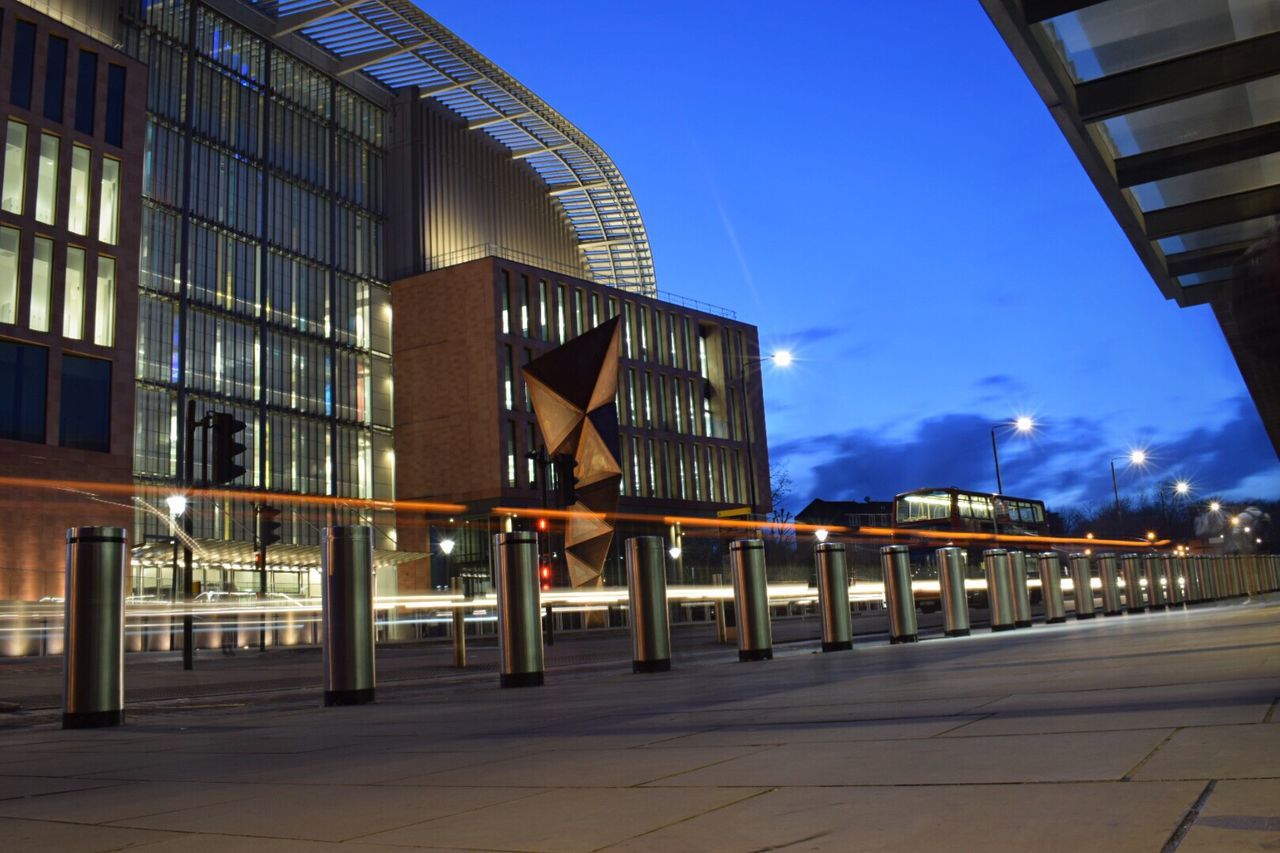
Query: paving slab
<point x="1219" y="752"/>
<point x="1237" y="816"/>
<point x="1060" y="817"/>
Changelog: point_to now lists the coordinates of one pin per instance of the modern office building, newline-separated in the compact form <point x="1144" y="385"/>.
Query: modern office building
<point x="690" y="412"/>
<point x="283" y="163"/>
<point x="73" y="112"/>
<point x="1173" y="108"/>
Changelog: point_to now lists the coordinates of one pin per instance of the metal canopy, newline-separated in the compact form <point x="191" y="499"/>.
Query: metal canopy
<point x="398" y="45"/>
<point x="1173" y="108"/>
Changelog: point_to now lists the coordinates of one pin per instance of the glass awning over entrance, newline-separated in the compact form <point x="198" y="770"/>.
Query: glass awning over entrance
<point x="1173" y="108"/>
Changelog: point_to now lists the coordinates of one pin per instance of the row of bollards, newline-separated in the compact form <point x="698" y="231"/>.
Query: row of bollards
<point x="96" y="574"/>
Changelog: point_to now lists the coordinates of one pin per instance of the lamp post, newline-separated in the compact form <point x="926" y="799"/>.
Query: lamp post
<point x="1022" y="424"/>
<point x="782" y="358"/>
<point x="177" y="505"/>
<point x="1135" y="458"/>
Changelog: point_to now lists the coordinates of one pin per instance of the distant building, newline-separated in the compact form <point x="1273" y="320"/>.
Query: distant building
<point x="854" y="514"/>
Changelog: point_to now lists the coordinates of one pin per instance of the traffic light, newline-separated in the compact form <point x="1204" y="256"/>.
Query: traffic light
<point x="268" y="526"/>
<point x="226" y="448"/>
<point x="542" y="525"/>
<point x="545" y="573"/>
<point x="566" y="483"/>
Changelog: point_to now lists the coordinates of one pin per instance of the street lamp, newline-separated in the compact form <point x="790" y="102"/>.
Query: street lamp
<point x="177" y="505"/>
<point x="446" y="546"/>
<point x="821" y="534"/>
<point x="1136" y="458"/>
<point x="1022" y="424"/>
<point x="782" y="358"/>
<point x="674" y="552"/>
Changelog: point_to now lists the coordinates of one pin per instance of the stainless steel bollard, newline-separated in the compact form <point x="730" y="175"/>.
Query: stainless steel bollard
<point x="1021" y="598"/>
<point x="1110" y="585"/>
<point x="646" y="560"/>
<point x="1153" y="572"/>
<point x="955" y="601"/>
<point x="895" y="563"/>
<point x="1081" y="586"/>
<point x="751" y="599"/>
<point x="519" y="614"/>
<point x="346" y="564"/>
<point x="995" y="563"/>
<point x="93" y="628"/>
<point x="833" y="596"/>
<point x="1131" y="569"/>
<point x="1051" y="588"/>
<point x="1175" y="569"/>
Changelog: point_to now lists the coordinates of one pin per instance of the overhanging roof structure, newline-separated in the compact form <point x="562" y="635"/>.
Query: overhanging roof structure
<point x="1173" y="107"/>
<point x="398" y="45"/>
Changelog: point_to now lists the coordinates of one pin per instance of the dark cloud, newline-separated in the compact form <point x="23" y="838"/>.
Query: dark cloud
<point x="1066" y="462"/>
<point x="813" y="333"/>
<point x="998" y="380"/>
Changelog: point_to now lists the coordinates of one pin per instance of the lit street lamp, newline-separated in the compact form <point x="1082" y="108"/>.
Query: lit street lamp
<point x="821" y="534"/>
<point x="782" y="358"/>
<point x="1022" y="425"/>
<point x="1136" y="458"/>
<point x="177" y="505"/>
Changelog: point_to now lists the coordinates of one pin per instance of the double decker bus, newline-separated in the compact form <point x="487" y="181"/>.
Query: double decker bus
<point x="977" y="512"/>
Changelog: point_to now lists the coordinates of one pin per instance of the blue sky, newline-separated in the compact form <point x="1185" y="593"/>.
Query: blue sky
<point x="892" y="201"/>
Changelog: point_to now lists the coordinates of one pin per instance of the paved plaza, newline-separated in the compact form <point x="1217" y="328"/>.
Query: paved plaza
<point x="1152" y="732"/>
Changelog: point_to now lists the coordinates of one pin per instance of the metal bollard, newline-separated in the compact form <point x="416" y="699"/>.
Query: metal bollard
<point x="1110" y="585"/>
<point x="955" y="601"/>
<point x="751" y="599"/>
<point x="1021" y="598"/>
<point x="519" y="613"/>
<point x="995" y="563"/>
<point x="1153" y="571"/>
<point x="646" y="560"/>
<point x="93" y="628"/>
<point x="1081" y="587"/>
<point x="1131" y="569"/>
<point x="833" y="596"/>
<point x="1175" y="569"/>
<point x="1051" y="588"/>
<point x="346" y="564"/>
<point x="895" y="563"/>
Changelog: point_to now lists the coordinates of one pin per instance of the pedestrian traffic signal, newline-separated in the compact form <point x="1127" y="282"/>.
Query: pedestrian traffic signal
<point x="268" y="526"/>
<point x="227" y="464"/>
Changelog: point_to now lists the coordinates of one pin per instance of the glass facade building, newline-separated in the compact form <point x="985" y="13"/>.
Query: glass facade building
<point x="261" y="288"/>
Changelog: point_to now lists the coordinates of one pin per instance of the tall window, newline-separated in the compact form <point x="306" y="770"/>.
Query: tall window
<point x="24" y="373"/>
<point x="47" y="179"/>
<point x="104" y="305"/>
<point x="85" y="421"/>
<point x="531" y="469"/>
<point x="524" y="386"/>
<point x="109" y="201"/>
<point x="9" y="275"/>
<point x="115" y="105"/>
<point x="73" y="295"/>
<point x="24" y="54"/>
<point x="86" y="91"/>
<point x="508" y="368"/>
<point x="78" y="203"/>
<point x="626" y="329"/>
<point x="41" y="278"/>
<point x="15" y="167"/>
<point x="544" y="329"/>
<point x="511" y="453"/>
<point x="560" y="311"/>
<point x="524" y="306"/>
<point x="506" y="304"/>
<point x="578" y="319"/>
<point x="55" y="78"/>
<point x="644" y="332"/>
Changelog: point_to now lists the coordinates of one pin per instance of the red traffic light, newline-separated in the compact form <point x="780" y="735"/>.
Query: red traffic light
<point x="546" y="587"/>
<point x="546" y="573"/>
<point x="542" y="524"/>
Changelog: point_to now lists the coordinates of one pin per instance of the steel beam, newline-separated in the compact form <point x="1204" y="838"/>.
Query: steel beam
<point x="1035" y="11"/>
<point x="357" y="61"/>
<point x="292" y="23"/>
<point x="1182" y="77"/>
<point x="1202" y="260"/>
<point x="1180" y="219"/>
<point x="1198" y="155"/>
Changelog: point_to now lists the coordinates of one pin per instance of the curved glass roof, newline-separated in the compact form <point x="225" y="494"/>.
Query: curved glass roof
<point x="398" y="45"/>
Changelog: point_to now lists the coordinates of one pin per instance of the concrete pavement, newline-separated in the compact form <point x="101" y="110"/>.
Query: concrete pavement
<point x="1146" y="732"/>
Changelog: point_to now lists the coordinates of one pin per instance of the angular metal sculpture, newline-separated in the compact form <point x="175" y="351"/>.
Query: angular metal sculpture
<point x="573" y="388"/>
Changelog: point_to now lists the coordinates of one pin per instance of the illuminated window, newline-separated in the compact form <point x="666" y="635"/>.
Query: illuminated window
<point x="648" y="397"/>
<point x="684" y="489"/>
<point x="15" y="167"/>
<point x="653" y="471"/>
<point x="506" y="304"/>
<point x="41" y="278"/>
<point x="109" y="201"/>
<point x="508" y="379"/>
<point x="524" y="306"/>
<point x="644" y="332"/>
<point x="73" y="295"/>
<point x="78" y="202"/>
<point x="595" y="310"/>
<point x="511" y="453"/>
<point x="560" y="310"/>
<point x="626" y="329"/>
<point x="578" y="318"/>
<point x="529" y="448"/>
<point x="544" y="331"/>
<point x="47" y="179"/>
<point x="104" y="305"/>
<point x="9" y="275"/>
